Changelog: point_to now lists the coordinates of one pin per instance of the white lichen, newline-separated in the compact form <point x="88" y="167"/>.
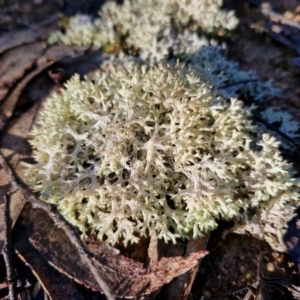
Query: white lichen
<point x="157" y="30"/>
<point x="141" y="150"/>
<point x="141" y="25"/>
<point x="83" y="32"/>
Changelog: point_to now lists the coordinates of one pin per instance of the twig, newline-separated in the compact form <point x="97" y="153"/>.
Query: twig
<point x="69" y="231"/>
<point x="241" y="82"/>
<point x="268" y="12"/>
<point x="278" y="17"/>
<point x="7" y="253"/>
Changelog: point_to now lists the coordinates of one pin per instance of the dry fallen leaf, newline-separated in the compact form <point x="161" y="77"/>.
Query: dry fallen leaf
<point x="126" y="277"/>
<point x="56" y="285"/>
<point x="15" y="63"/>
<point x="28" y="36"/>
<point x="180" y="287"/>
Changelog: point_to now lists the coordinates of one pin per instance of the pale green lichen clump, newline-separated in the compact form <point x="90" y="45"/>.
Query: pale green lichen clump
<point x="139" y="150"/>
<point x="145" y="26"/>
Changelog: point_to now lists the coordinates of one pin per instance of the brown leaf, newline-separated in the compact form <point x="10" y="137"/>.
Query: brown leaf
<point x="10" y="103"/>
<point x="14" y="143"/>
<point x="52" y="244"/>
<point x="181" y="286"/>
<point x="55" y="284"/>
<point x="15" y="63"/>
<point x="170" y="267"/>
<point x="126" y="277"/>
<point x="14" y="146"/>
<point x="28" y="36"/>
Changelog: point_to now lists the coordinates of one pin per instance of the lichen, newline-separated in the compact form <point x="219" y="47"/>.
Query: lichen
<point x="143" y="25"/>
<point x="140" y="150"/>
<point x="210" y="63"/>
<point x="155" y="31"/>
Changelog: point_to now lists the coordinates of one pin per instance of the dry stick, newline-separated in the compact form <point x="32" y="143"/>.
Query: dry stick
<point x="7" y="253"/>
<point x="69" y="231"/>
<point x="276" y="16"/>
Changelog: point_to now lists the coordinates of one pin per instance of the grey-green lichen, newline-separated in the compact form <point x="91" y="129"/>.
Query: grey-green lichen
<point x="145" y="25"/>
<point x="210" y="64"/>
<point x="140" y="150"/>
<point x="155" y="30"/>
